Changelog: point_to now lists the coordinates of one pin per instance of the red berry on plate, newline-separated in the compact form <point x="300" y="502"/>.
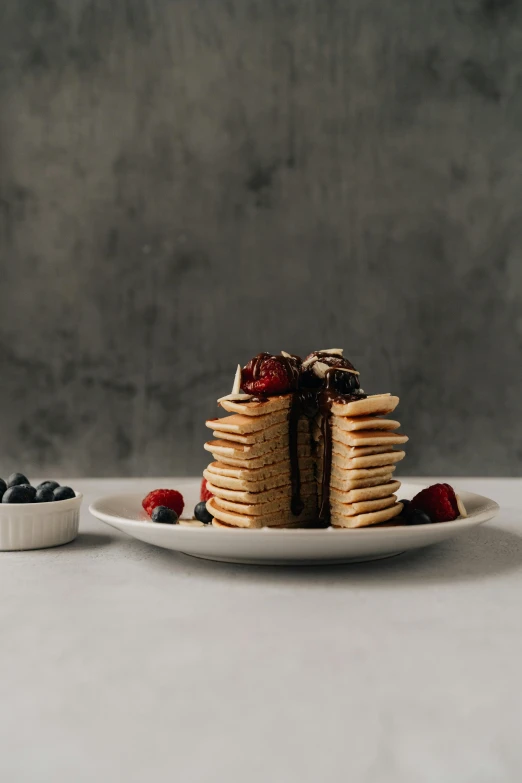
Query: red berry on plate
<point x="170" y="498"/>
<point x="266" y="374"/>
<point x="204" y="493"/>
<point x="438" y="501"/>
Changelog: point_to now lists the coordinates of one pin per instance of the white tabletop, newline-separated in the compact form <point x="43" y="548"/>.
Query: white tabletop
<point x="123" y="662"/>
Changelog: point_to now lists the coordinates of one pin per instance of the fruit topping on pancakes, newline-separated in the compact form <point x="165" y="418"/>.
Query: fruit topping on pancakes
<point x="267" y="374"/>
<point x="321" y="367"/>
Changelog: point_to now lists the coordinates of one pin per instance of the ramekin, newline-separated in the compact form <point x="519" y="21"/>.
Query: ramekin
<point x="39" y="525"/>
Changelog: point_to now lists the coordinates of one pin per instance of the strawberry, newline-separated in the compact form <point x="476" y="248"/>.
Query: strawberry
<point x="204" y="493"/>
<point x="266" y="374"/>
<point x="170" y="498"/>
<point x="438" y="501"/>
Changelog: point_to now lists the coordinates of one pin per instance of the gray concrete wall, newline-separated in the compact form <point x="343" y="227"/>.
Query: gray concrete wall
<point x="185" y="183"/>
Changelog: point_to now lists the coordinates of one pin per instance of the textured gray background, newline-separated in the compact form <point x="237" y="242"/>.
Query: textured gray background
<point x="183" y="184"/>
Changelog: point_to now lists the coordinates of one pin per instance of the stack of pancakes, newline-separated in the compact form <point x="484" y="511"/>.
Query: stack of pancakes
<point x="362" y="489"/>
<point x="250" y="477"/>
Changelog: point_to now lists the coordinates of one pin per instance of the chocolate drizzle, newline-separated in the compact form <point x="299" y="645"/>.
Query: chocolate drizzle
<point x="294" y="414"/>
<point x="325" y="409"/>
<point x="308" y="402"/>
<point x="291" y="365"/>
<point x="326" y="397"/>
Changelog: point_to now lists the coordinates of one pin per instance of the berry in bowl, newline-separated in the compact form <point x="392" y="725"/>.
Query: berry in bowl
<point x="37" y="517"/>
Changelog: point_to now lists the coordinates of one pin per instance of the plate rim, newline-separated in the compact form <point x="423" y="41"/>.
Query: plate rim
<point x="461" y="523"/>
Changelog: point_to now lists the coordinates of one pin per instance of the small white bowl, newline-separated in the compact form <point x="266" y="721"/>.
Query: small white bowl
<point x="39" y="525"/>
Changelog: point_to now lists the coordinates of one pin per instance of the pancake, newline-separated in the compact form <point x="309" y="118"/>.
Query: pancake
<point x="224" y="526"/>
<point x="258" y="474"/>
<point x="258" y="408"/>
<point x="355" y="474"/>
<point x="279" y="506"/>
<point x="242" y="425"/>
<point x="365" y="423"/>
<point x="360" y="478"/>
<point x="268" y="433"/>
<point x="255" y="484"/>
<point x="364" y="520"/>
<point x="258" y="498"/>
<point x="374" y="439"/>
<point x="270" y="458"/>
<point x="365" y="493"/>
<point x="249" y="450"/>
<point x="347" y="484"/>
<point x="275" y="519"/>
<point x="340" y="462"/>
<point x="367" y="437"/>
<point x="376" y="404"/>
<point x="358" y="451"/>
<point x="364" y="507"/>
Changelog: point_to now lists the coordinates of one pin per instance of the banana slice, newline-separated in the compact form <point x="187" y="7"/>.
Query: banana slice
<point x="461" y="507"/>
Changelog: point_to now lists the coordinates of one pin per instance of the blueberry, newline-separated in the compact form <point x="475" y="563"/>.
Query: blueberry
<point x="201" y="513"/>
<point x="165" y="515"/>
<point x="3" y="487"/>
<point x="15" y="479"/>
<point x="63" y="493"/>
<point x="406" y="512"/>
<point x="19" y="494"/>
<point x="417" y="517"/>
<point x="344" y="382"/>
<point x="51" y="484"/>
<point x="44" y="495"/>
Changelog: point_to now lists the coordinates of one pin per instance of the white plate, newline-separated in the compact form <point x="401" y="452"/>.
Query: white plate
<point x="288" y="547"/>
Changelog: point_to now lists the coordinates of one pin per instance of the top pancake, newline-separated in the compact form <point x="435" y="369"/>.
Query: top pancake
<point x="375" y="404"/>
<point x="271" y="405"/>
<point x="243" y="425"/>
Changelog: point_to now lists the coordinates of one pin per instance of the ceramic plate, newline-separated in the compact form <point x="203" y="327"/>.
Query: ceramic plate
<point x="287" y="547"/>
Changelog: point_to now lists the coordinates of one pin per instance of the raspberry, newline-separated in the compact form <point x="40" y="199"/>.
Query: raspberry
<point x="163" y="497"/>
<point x="266" y="374"/>
<point x="438" y="501"/>
<point x="204" y="493"/>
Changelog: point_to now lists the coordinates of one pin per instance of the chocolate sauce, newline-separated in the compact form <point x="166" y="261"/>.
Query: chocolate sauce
<point x="291" y="367"/>
<point x="308" y="402"/>
<point x="294" y="414"/>
<point x="326" y="397"/>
